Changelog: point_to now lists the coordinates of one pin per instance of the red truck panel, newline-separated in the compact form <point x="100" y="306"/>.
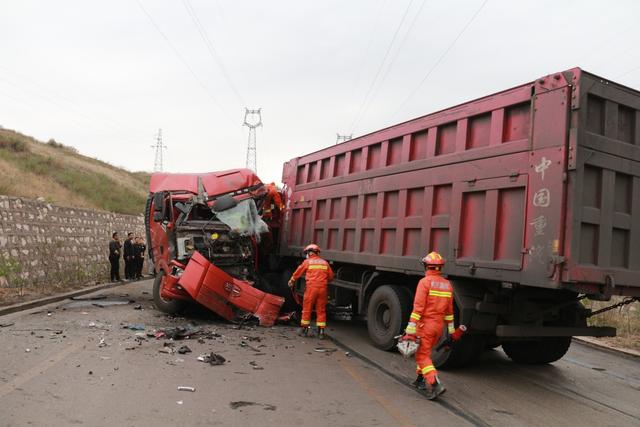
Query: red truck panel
<point x="491" y="184"/>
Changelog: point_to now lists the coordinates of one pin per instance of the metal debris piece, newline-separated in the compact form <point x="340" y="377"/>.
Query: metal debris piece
<point x="325" y="349"/>
<point x="186" y="388"/>
<point x="4" y="325"/>
<point x="242" y="403"/>
<point x="255" y="366"/>
<point x="184" y="350"/>
<point x="212" y="359"/>
<point x="134" y="326"/>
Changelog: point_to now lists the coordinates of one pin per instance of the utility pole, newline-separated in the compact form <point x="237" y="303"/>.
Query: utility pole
<point x="342" y="138"/>
<point x="159" y="147"/>
<point x="252" y="120"/>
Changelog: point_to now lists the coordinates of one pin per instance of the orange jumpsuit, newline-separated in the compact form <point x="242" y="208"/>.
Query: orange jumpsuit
<point x="432" y="307"/>
<point x="318" y="274"/>
<point x="272" y="201"/>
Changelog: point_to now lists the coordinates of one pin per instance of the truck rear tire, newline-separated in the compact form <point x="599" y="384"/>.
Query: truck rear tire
<point x="462" y="352"/>
<point x="387" y="312"/>
<point x="540" y="351"/>
<point x="169" y="306"/>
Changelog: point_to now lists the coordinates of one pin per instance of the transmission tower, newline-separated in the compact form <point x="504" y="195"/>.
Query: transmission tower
<point x="159" y="147"/>
<point x="252" y="120"/>
<point x="343" y="138"/>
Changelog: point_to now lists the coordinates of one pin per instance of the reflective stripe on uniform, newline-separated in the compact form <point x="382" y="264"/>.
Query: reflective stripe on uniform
<point x="321" y="324"/>
<point x="449" y="317"/>
<point x="415" y="316"/>
<point x="318" y="267"/>
<point x="410" y="330"/>
<point x="305" y="322"/>
<point x="427" y="369"/>
<point x="450" y="328"/>
<point x="439" y="294"/>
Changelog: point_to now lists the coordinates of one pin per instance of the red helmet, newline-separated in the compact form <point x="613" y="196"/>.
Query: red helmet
<point x="312" y="248"/>
<point x="433" y="259"/>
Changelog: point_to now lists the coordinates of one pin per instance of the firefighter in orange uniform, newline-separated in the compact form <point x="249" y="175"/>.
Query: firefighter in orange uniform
<point x="432" y="308"/>
<point x="318" y="274"/>
<point x="272" y="205"/>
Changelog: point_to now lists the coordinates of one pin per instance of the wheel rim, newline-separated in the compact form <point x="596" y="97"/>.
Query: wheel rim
<point x="383" y="316"/>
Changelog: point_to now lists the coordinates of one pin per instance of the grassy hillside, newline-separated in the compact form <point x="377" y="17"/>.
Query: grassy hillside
<point x="30" y="168"/>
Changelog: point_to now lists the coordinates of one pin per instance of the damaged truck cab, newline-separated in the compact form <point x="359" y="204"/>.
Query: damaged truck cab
<point x="203" y="234"/>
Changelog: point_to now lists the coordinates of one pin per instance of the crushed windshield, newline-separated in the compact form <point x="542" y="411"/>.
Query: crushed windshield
<point x="244" y="219"/>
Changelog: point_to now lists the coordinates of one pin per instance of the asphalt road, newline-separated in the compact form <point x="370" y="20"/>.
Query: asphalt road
<point x="74" y="363"/>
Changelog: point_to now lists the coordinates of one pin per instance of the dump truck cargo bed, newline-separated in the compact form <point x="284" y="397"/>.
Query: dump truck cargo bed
<point x="537" y="186"/>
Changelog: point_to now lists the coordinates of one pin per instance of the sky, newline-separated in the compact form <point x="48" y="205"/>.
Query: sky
<point x="103" y="77"/>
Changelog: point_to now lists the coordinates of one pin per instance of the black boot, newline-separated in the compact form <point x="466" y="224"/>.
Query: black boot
<point x="436" y="390"/>
<point x="303" y="331"/>
<point x="419" y="383"/>
<point x="320" y="333"/>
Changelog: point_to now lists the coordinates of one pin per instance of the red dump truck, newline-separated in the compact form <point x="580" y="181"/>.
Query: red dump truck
<point x="532" y="195"/>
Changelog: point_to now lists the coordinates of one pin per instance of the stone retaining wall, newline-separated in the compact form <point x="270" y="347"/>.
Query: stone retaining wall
<point x="44" y="247"/>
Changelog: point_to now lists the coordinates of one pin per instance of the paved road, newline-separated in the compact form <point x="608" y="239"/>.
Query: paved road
<point x="68" y="377"/>
<point x="587" y="387"/>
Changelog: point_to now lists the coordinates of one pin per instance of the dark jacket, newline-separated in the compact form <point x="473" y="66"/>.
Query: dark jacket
<point x="128" y="248"/>
<point x="114" y="249"/>
<point x="138" y="250"/>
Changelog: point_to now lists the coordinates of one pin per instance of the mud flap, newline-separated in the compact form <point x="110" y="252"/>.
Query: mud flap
<point x="220" y="292"/>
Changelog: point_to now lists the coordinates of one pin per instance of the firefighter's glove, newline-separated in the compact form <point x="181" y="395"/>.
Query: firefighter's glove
<point x="291" y="282"/>
<point x="458" y="333"/>
<point x="411" y="329"/>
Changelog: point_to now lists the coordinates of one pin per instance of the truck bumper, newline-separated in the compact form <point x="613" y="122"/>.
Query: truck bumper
<point x="221" y="293"/>
<point x="511" y="331"/>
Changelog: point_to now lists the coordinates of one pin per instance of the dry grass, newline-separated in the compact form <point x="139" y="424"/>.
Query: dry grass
<point x="62" y="176"/>
<point x="625" y="319"/>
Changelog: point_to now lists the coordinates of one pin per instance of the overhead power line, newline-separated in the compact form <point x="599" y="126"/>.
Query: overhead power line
<point x="393" y="59"/>
<point x="176" y="52"/>
<point x="413" y="92"/>
<point x="215" y="56"/>
<point x="380" y="67"/>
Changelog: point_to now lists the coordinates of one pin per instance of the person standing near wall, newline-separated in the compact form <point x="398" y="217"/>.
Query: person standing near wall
<point x="114" y="257"/>
<point x="140" y="248"/>
<point x="129" y="258"/>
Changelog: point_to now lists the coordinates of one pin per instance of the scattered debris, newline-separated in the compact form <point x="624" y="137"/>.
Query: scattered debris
<point x="134" y="326"/>
<point x="258" y="339"/>
<point x="179" y="402"/>
<point x="245" y="344"/>
<point x="145" y="293"/>
<point x="167" y="350"/>
<point x="27" y="350"/>
<point x="102" y="343"/>
<point x="212" y="359"/>
<point x="185" y="388"/>
<point x="184" y="350"/>
<point x="348" y="354"/>
<point x="137" y="307"/>
<point x="4" y="325"/>
<point x="97" y="303"/>
<point x="90" y="372"/>
<point x="242" y="403"/>
<point x="325" y="349"/>
<point x="255" y="366"/>
<point x="94" y="298"/>
<point x="178" y="332"/>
